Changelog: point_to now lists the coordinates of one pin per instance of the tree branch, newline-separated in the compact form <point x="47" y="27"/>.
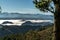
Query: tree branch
<point x="51" y="11"/>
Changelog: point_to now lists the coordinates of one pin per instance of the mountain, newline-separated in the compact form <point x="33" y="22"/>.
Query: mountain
<point x="25" y="16"/>
<point x="46" y="34"/>
<point x="41" y="24"/>
<point x="25" y="27"/>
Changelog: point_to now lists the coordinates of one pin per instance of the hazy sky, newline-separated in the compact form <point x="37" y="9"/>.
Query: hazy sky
<point x="21" y="6"/>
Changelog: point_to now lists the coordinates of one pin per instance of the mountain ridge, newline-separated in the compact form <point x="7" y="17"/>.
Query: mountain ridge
<point x="25" y="16"/>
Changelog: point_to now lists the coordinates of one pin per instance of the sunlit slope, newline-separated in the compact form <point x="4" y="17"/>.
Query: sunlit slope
<point x="46" y="34"/>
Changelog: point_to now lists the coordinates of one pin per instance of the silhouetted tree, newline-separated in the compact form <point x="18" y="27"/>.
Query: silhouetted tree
<point x="45" y="5"/>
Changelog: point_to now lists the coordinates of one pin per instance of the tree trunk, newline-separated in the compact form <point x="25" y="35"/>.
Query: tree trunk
<point x="57" y="22"/>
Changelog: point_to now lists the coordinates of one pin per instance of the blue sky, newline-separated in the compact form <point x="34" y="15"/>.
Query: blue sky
<point x="21" y="6"/>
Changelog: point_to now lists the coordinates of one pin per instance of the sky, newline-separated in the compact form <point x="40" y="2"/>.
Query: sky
<point x="20" y="6"/>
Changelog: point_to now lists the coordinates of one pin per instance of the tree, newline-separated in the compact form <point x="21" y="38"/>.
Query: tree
<point x="44" y="5"/>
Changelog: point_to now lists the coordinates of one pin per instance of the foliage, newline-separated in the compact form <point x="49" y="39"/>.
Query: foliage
<point x="44" y="5"/>
<point x="46" y="34"/>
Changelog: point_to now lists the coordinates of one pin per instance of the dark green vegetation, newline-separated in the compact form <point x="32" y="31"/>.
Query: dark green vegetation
<point x="25" y="27"/>
<point x="45" y="34"/>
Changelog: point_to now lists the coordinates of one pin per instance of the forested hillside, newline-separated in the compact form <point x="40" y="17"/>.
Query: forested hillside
<point x="46" y="34"/>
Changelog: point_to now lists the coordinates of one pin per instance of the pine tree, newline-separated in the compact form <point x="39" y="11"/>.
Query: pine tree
<point x="44" y="5"/>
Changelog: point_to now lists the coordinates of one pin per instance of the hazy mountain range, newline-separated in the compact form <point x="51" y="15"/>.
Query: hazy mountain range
<point x="26" y="26"/>
<point x="25" y="16"/>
